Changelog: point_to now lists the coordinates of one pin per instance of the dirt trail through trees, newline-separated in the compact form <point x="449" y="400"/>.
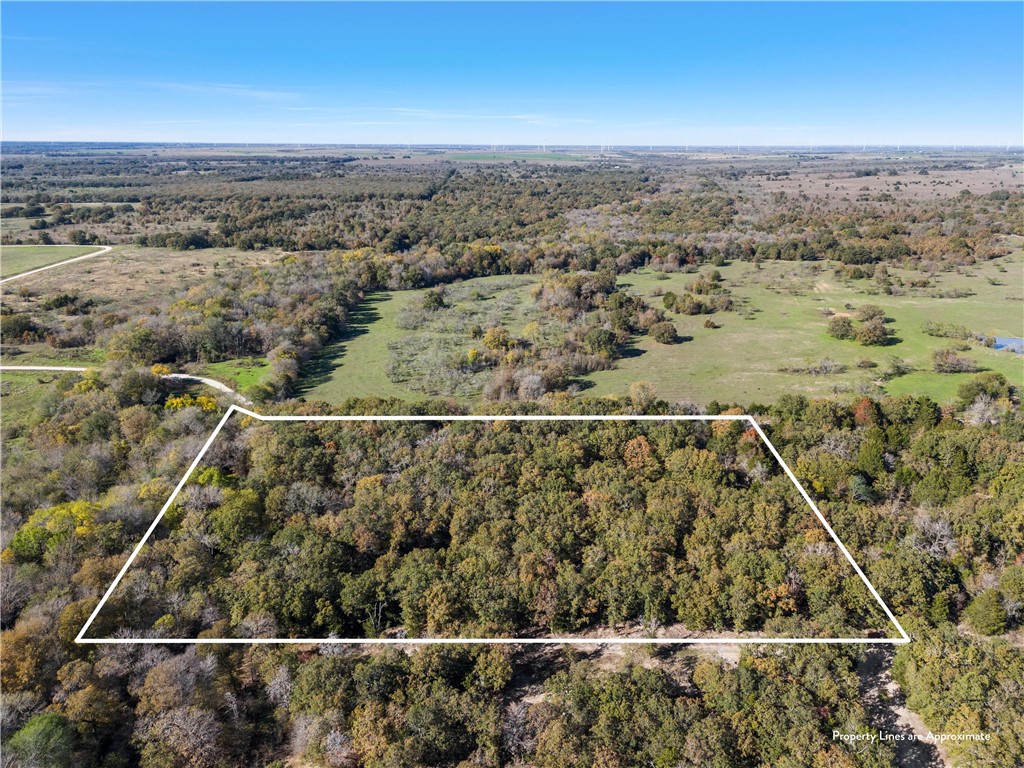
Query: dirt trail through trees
<point x="886" y="707"/>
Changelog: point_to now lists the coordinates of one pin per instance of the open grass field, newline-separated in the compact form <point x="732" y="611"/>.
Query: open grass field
<point x="15" y="259"/>
<point x="357" y="364"/>
<point x="354" y="365"/>
<point x="43" y="354"/>
<point x="779" y="323"/>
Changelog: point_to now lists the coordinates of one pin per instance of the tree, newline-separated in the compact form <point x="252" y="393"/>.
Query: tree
<point x="46" y="741"/>
<point x="190" y="735"/>
<point x="871" y="458"/>
<point x="239" y="517"/>
<point x="986" y="613"/>
<point x="601" y="341"/>
<point x="990" y="383"/>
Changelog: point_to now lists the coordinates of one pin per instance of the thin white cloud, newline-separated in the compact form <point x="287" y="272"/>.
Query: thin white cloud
<point x="31" y="88"/>
<point x="227" y="89"/>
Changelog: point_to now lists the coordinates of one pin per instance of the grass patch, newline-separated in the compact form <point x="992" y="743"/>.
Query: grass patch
<point x="132" y="279"/>
<point x="44" y="354"/>
<point x="21" y="395"/>
<point x="15" y="259"/>
<point x="239" y="373"/>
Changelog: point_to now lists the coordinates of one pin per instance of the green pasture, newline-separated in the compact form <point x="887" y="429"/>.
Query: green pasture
<point x="43" y="354"/>
<point x="15" y="259"/>
<point x="779" y="323"/>
<point x="354" y="365"/>
<point x="21" y="395"/>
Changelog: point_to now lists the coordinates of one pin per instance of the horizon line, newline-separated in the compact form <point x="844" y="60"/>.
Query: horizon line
<point x="504" y="146"/>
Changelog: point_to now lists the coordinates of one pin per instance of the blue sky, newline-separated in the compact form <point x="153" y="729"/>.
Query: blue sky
<point x="516" y="73"/>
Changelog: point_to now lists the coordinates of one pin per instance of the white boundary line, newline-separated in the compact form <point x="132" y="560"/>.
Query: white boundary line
<point x="103" y="249"/>
<point x="902" y="639"/>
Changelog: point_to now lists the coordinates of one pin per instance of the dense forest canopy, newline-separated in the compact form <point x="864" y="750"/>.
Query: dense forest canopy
<point x="491" y="529"/>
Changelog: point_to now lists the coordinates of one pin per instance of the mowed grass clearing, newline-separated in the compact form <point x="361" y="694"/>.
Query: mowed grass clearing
<point x="354" y="365"/>
<point x="239" y="373"/>
<point x="780" y="324"/>
<point x="16" y="259"/>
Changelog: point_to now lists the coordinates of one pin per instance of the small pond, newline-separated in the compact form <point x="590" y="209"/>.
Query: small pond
<point x="1010" y="344"/>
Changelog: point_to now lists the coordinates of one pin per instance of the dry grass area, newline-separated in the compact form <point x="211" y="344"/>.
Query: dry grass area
<point x="133" y="276"/>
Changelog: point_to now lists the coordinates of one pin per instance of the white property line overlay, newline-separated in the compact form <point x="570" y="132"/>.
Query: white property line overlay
<point x="902" y="639"/>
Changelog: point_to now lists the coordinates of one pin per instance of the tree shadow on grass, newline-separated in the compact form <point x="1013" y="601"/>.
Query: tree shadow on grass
<point x="579" y="385"/>
<point x="630" y="350"/>
<point x="890" y="341"/>
<point x="321" y="368"/>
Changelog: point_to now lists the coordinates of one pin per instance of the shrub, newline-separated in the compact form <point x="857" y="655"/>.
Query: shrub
<point x="664" y="333"/>
<point x="18" y="328"/>
<point x="946" y="330"/>
<point x="873" y="333"/>
<point x="840" y="328"/>
<point x="688" y="305"/>
<point x="434" y="299"/>
<point x="896" y="368"/>
<point x="497" y="339"/>
<point x="948" y="361"/>
<point x="869" y="312"/>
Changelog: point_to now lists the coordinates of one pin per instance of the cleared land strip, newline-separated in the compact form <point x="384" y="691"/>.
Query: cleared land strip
<point x="103" y="249"/>
<point x="180" y="376"/>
